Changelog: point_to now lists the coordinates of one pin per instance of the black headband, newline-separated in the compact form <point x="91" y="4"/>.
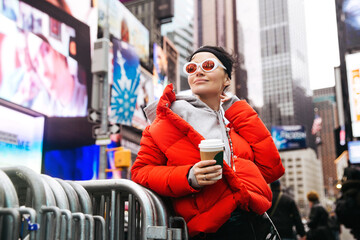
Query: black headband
<point x="223" y="59"/>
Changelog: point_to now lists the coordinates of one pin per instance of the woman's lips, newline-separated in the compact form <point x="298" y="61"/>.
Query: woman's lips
<point x="200" y="81"/>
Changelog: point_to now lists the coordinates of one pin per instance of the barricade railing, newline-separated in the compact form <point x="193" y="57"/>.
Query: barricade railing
<point x="37" y="206"/>
<point x="146" y="216"/>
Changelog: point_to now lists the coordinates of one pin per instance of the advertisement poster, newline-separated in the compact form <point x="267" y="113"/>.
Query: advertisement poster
<point x="125" y="26"/>
<point x="289" y="137"/>
<point x="353" y="77"/>
<point x="125" y="87"/>
<point x="21" y="139"/>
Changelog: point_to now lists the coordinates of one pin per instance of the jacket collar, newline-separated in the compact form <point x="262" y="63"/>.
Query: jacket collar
<point x="163" y="110"/>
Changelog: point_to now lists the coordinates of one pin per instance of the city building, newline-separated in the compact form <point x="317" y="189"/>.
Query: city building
<point x="286" y="92"/>
<point x="215" y="24"/>
<point x="325" y="103"/>
<point x="181" y="32"/>
<point x="303" y="174"/>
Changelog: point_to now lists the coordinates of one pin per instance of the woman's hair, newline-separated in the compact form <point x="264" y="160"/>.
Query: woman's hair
<point x="313" y="196"/>
<point x="225" y="58"/>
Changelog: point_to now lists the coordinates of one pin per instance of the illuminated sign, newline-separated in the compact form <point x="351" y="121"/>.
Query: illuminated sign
<point x="289" y="137"/>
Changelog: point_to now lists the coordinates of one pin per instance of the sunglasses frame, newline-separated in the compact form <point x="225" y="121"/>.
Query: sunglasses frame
<point x="216" y="62"/>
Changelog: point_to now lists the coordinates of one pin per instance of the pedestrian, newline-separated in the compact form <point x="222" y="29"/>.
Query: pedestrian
<point x="168" y="161"/>
<point x="285" y="214"/>
<point x="318" y="219"/>
<point x="334" y="225"/>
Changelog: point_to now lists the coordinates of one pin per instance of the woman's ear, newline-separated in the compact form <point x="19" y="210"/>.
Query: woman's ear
<point x="226" y="83"/>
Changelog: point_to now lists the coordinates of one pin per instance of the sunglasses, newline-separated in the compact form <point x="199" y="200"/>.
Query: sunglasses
<point x="208" y="65"/>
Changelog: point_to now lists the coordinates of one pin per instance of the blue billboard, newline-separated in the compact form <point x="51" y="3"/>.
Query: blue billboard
<point x="289" y="137"/>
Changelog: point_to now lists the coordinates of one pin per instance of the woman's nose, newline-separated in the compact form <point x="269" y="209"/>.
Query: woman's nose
<point x="199" y="71"/>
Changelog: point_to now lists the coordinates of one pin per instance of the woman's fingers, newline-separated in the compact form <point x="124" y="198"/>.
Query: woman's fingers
<point x="206" y="166"/>
<point x="207" y="179"/>
<point x="205" y="163"/>
<point x="205" y="171"/>
<point x="224" y="97"/>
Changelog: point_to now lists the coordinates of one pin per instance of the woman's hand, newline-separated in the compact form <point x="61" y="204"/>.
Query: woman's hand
<point x="205" y="170"/>
<point x="224" y="97"/>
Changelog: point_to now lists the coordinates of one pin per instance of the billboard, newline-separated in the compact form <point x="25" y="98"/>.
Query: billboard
<point x="351" y="11"/>
<point x="126" y="75"/>
<point x="44" y="59"/>
<point x="21" y="137"/>
<point x="125" y="26"/>
<point x="289" y="137"/>
<point x="353" y="78"/>
<point x="354" y="152"/>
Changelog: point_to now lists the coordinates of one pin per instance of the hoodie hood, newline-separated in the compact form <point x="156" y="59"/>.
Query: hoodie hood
<point x="206" y="121"/>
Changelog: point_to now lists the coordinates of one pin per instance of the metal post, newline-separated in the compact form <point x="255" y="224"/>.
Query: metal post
<point x="104" y="128"/>
<point x="104" y="107"/>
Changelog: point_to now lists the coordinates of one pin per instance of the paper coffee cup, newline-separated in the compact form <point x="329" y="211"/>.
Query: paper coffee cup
<point x="212" y="149"/>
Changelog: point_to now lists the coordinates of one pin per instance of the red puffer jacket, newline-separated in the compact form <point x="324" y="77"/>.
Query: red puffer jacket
<point x="169" y="148"/>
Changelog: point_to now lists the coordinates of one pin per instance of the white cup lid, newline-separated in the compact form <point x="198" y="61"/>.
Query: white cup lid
<point x="211" y="143"/>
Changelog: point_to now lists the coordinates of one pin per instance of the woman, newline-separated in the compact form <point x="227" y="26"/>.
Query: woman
<point x="169" y="160"/>
<point x="318" y="220"/>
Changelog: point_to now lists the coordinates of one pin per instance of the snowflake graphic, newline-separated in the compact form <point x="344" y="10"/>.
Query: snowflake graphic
<point x="126" y="81"/>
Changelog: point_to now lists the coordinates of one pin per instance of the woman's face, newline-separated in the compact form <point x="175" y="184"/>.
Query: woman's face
<point x="207" y="84"/>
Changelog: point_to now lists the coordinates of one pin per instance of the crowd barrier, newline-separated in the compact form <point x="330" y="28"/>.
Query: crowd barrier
<point x="37" y="206"/>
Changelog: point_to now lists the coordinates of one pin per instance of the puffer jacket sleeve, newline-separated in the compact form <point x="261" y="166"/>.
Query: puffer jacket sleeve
<point x="245" y="121"/>
<point x="151" y="171"/>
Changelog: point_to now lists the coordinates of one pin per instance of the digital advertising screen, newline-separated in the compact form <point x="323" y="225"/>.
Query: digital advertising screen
<point x="21" y="137"/>
<point x="353" y="80"/>
<point x="351" y="11"/>
<point x="125" y="26"/>
<point x="354" y="152"/>
<point x="44" y="59"/>
<point x="289" y="137"/>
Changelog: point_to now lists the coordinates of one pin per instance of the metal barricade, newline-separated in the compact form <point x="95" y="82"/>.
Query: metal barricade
<point x="146" y="216"/>
<point x="97" y="209"/>
<point x="9" y="203"/>
<point x="33" y="193"/>
<point x="11" y="213"/>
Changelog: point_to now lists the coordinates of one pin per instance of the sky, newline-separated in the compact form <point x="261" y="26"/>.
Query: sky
<point x="322" y="44"/>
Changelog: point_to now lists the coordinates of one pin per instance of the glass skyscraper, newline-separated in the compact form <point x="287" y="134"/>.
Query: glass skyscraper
<point x="286" y="91"/>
